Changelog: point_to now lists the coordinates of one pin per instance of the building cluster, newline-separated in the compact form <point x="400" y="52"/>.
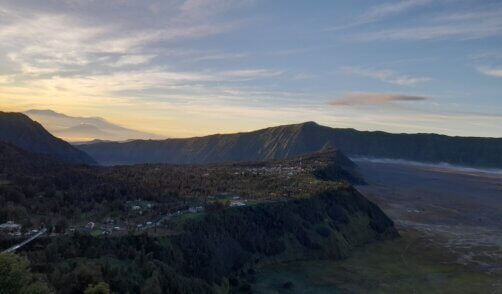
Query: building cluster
<point x="11" y="229"/>
<point x="140" y="206"/>
<point x="106" y="228"/>
<point x="277" y="170"/>
<point x="237" y="202"/>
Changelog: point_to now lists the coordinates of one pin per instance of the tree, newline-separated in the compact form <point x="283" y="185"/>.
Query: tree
<point x="15" y="276"/>
<point x="152" y="286"/>
<point x="14" y="273"/>
<point x="87" y="275"/>
<point x="100" y="288"/>
<point x="61" y="226"/>
<point x="36" y="288"/>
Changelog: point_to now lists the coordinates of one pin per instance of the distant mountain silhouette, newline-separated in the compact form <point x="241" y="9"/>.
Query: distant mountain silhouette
<point x="84" y="130"/>
<point x="94" y="142"/>
<point x="74" y="128"/>
<point x="46" y="112"/>
<point x="19" y="130"/>
<point x="293" y="140"/>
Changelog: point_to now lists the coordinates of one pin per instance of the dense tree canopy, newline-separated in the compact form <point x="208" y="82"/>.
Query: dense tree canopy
<point x="16" y="277"/>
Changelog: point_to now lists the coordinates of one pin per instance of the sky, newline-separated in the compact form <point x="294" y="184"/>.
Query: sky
<point x="180" y="68"/>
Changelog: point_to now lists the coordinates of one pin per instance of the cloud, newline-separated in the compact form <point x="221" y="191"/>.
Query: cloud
<point x="387" y="76"/>
<point x="374" y="99"/>
<point x="250" y="74"/>
<point x="108" y="58"/>
<point x="133" y="60"/>
<point x="105" y="59"/>
<point x="482" y="23"/>
<point x="486" y="54"/>
<point x="387" y="9"/>
<point x="176" y="83"/>
<point x="382" y="11"/>
<point x="460" y="31"/>
<point x="218" y="56"/>
<point x="148" y="65"/>
<point x="303" y="76"/>
<point x="200" y="8"/>
<point x="34" y="41"/>
<point x="493" y="72"/>
<point x="5" y="79"/>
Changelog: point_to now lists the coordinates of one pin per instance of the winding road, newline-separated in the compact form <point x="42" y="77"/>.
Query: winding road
<point x="17" y="246"/>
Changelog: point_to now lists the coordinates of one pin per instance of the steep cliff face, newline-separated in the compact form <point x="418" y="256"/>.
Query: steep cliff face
<point x="329" y="225"/>
<point x="266" y="144"/>
<point x="293" y="140"/>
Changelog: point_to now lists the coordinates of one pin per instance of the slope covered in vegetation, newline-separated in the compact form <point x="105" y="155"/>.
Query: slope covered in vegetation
<point x="182" y="228"/>
<point x="216" y="253"/>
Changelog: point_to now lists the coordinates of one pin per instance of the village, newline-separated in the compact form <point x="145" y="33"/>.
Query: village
<point x="141" y="217"/>
<point x="184" y="192"/>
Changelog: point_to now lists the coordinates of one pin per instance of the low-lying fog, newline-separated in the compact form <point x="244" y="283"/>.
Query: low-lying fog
<point x="438" y="166"/>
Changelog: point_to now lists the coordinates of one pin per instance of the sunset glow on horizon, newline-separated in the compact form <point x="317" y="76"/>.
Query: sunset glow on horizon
<point x="182" y="68"/>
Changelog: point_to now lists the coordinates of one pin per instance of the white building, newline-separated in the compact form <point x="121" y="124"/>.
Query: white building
<point x="237" y="203"/>
<point x="10" y="227"/>
<point x="195" y="209"/>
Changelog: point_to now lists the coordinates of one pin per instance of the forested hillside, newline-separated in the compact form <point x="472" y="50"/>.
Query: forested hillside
<point x="158" y="228"/>
<point x="217" y="252"/>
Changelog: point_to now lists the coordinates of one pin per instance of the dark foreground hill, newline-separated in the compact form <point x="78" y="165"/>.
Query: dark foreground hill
<point x="16" y="161"/>
<point x="293" y="140"/>
<point x="19" y="130"/>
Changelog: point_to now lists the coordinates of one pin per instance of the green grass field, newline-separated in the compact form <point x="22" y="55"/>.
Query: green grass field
<point x="96" y="233"/>
<point x="411" y="264"/>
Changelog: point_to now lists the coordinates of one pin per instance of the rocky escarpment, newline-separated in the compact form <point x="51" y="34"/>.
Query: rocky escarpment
<point x="329" y="225"/>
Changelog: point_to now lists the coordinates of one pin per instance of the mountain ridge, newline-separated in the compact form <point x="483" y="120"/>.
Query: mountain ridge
<point x="21" y="131"/>
<point x="297" y="139"/>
